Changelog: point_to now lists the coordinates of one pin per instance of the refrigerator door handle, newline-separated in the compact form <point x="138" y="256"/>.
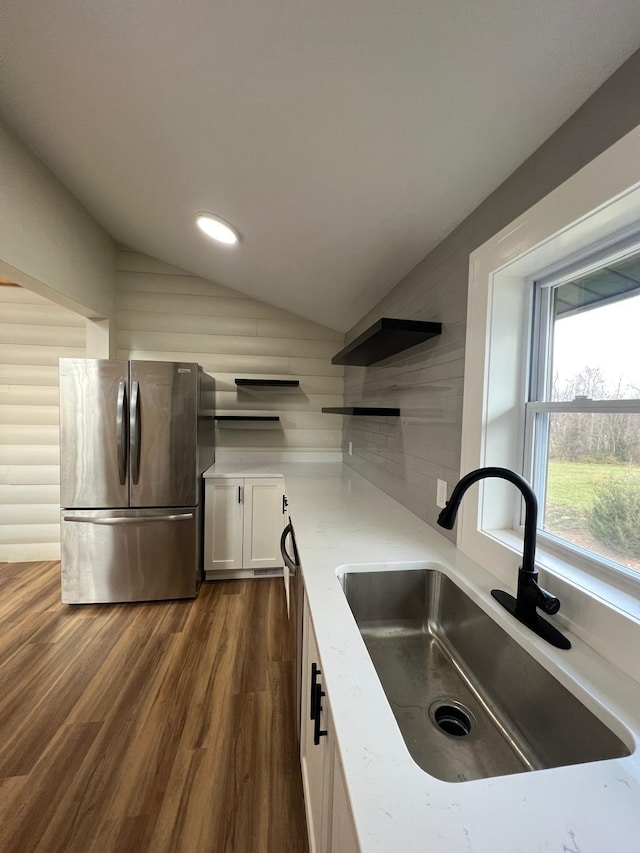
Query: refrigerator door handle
<point x="87" y="519"/>
<point x="134" y="430"/>
<point x="121" y="431"/>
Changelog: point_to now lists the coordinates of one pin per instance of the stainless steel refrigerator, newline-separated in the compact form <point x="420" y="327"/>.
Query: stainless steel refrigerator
<point x="135" y="438"/>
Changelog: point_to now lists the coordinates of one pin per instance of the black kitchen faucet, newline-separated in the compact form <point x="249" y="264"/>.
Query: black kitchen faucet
<point x="530" y="595"/>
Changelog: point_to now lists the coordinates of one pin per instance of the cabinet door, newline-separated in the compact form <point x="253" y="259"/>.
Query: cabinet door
<point x="315" y="758"/>
<point x="263" y="522"/>
<point x="343" y="833"/>
<point x="224" y="513"/>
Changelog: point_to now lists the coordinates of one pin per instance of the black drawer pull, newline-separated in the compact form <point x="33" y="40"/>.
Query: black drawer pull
<point x="315" y="672"/>
<point x="317" y="731"/>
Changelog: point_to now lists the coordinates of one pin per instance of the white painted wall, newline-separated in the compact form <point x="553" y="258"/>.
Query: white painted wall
<point x="49" y="241"/>
<point x="34" y="334"/>
<point x="165" y="313"/>
<point x="51" y="245"/>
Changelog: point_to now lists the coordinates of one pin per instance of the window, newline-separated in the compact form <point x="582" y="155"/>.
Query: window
<point x="598" y="207"/>
<point x="582" y="423"/>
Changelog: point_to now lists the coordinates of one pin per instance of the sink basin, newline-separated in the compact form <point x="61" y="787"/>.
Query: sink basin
<point x="470" y="702"/>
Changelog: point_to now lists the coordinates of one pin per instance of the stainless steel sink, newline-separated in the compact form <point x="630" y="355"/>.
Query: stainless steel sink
<point x="470" y="701"/>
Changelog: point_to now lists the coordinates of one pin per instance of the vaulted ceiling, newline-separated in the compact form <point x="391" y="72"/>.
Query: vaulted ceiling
<point x="342" y="139"/>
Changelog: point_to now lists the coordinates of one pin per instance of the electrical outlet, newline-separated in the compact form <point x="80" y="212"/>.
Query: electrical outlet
<point x="350" y="448"/>
<point x="441" y="494"/>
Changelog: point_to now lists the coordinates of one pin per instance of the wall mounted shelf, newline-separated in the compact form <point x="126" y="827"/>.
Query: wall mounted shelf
<point x="264" y="383"/>
<point x="247" y="418"/>
<point x="362" y="411"/>
<point x="386" y="337"/>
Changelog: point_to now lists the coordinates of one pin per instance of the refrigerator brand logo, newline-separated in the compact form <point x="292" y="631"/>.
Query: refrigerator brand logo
<point x="184" y="370"/>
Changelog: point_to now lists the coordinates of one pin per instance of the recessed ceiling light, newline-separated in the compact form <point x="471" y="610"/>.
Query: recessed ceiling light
<point x="217" y="229"/>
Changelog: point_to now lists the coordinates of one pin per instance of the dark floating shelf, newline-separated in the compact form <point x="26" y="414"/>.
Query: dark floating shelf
<point x="275" y="383"/>
<point x="362" y="410"/>
<point x="386" y="337"/>
<point x="247" y="418"/>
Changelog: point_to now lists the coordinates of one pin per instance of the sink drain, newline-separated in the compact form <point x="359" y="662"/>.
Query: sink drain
<point x="451" y="717"/>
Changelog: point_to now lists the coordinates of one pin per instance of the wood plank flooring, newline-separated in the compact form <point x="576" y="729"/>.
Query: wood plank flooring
<point x="164" y="726"/>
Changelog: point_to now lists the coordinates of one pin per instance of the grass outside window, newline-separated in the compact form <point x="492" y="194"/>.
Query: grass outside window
<point x="575" y="491"/>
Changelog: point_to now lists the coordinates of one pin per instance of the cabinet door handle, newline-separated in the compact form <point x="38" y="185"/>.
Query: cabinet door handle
<point x="315" y="672"/>
<point x="285" y="504"/>
<point x="317" y="731"/>
<point x="239" y="494"/>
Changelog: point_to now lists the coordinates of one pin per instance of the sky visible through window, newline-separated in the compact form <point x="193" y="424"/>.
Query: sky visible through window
<point x="607" y="338"/>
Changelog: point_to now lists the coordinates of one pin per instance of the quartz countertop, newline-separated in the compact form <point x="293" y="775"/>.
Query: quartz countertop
<point x="342" y="519"/>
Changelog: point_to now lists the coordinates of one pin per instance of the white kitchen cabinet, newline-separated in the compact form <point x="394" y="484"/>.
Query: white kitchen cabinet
<point x="316" y="744"/>
<point x="329" y="821"/>
<point x="243" y="524"/>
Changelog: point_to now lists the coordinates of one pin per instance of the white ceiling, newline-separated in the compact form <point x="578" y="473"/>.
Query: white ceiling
<point x="342" y="139"/>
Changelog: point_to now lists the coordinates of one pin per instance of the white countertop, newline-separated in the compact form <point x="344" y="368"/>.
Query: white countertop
<point x="342" y="519"/>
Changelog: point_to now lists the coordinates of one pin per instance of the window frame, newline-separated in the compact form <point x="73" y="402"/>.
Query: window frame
<point x="598" y="205"/>
<point x="537" y="403"/>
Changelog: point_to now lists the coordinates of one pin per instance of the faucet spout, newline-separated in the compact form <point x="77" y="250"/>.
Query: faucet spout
<point x="448" y="515"/>
<point x="530" y="595"/>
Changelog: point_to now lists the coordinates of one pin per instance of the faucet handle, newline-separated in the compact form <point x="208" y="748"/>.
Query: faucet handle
<point x="532" y="595"/>
<point x="547" y="602"/>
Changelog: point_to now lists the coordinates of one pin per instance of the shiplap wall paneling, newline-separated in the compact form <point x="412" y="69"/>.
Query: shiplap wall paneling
<point x="34" y="334"/>
<point x="406" y="456"/>
<point x="166" y="314"/>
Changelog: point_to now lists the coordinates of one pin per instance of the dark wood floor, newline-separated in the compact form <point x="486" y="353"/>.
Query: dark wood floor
<point x="146" y="727"/>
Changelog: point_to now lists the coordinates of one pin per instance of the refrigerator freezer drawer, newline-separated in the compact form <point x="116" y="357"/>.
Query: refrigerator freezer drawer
<point x="129" y="555"/>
